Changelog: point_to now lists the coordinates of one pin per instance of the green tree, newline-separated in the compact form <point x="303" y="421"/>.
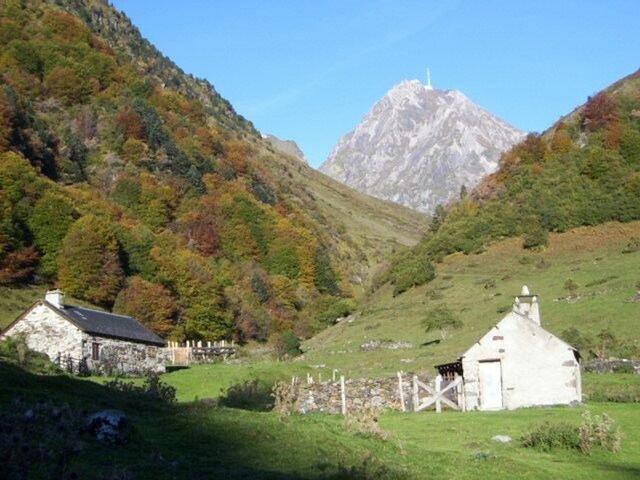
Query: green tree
<point x="326" y="280"/>
<point x="90" y="266"/>
<point x="50" y="220"/>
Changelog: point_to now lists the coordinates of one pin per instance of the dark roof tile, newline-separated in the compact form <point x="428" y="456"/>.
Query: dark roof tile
<point x="109" y="324"/>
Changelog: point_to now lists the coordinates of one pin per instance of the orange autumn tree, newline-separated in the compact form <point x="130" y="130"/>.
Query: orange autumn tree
<point x="151" y="303"/>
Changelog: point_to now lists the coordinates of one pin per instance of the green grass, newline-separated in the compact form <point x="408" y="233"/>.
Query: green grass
<point x="591" y="257"/>
<point x="193" y="440"/>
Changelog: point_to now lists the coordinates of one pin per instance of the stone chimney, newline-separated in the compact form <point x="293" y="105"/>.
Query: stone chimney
<point x="55" y="298"/>
<point x="527" y="305"/>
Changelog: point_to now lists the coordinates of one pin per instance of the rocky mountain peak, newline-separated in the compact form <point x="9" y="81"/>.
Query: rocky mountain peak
<point x="418" y="146"/>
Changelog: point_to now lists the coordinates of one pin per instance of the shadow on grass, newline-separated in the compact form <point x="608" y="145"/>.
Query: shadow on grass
<point x="184" y="440"/>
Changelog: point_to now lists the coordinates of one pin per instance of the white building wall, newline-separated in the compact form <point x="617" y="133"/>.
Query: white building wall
<point x="537" y="368"/>
<point x="46" y="332"/>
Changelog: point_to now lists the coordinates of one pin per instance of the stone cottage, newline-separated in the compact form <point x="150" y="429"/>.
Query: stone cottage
<point x="518" y="364"/>
<point x="103" y="341"/>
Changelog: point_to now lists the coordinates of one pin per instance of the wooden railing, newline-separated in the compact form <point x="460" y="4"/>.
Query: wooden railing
<point x="199" y="352"/>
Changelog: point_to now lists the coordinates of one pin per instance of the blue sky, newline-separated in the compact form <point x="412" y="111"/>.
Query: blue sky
<point x="310" y="70"/>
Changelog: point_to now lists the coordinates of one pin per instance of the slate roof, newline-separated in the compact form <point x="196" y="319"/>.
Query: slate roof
<point x="108" y="324"/>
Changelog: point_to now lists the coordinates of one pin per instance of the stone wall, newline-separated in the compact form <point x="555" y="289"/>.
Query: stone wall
<point x="611" y="366"/>
<point x="46" y="332"/>
<point x="361" y="393"/>
<point x="123" y="357"/>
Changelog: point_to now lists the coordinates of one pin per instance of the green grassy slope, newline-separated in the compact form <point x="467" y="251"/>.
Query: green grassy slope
<point x="477" y="287"/>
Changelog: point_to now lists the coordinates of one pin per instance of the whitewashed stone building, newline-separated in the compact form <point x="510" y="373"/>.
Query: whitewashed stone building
<point x="518" y="364"/>
<point x="102" y="341"/>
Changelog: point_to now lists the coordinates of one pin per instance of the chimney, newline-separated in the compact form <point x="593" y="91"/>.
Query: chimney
<point x="55" y="298"/>
<point x="527" y="305"/>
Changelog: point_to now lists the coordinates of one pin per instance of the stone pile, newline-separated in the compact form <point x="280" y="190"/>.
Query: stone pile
<point x="385" y="345"/>
<point x="611" y="366"/>
<point x="361" y="393"/>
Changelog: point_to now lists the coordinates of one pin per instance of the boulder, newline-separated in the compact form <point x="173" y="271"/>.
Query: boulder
<point x="109" y="426"/>
<point x="502" y="438"/>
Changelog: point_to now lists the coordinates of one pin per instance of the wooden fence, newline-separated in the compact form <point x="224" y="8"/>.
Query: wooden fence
<point x="189" y="352"/>
<point x="409" y="394"/>
<point x="440" y="393"/>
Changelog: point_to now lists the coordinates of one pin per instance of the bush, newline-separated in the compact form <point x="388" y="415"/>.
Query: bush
<point x="599" y="431"/>
<point x="411" y="271"/>
<point x="284" y="396"/>
<point x="624" y="368"/>
<point x="595" y="431"/>
<point x="550" y="436"/>
<point x="287" y="345"/>
<point x="441" y="318"/>
<point x="536" y="237"/>
<point x="248" y="395"/>
<point x="329" y="309"/>
<point x="364" y="422"/>
<point x="632" y="246"/>
<point x="153" y="388"/>
<point x="14" y="350"/>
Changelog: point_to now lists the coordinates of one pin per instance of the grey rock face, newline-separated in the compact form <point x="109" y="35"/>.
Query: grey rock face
<point x="288" y="147"/>
<point x="419" y="146"/>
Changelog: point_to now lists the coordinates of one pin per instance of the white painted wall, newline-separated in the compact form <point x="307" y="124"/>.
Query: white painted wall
<point x="46" y="332"/>
<point x="537" y="367"/>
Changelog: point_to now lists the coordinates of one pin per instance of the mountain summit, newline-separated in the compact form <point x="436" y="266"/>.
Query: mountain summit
<point x="418" y="146"/>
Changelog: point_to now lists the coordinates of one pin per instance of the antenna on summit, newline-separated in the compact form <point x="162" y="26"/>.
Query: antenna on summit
<point x="429" y="87"/>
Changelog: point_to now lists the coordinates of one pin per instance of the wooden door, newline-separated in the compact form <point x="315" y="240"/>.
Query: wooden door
<point x="490" y="385"/>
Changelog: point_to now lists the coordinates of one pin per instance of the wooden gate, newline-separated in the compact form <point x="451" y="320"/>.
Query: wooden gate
<point x="448" y="393"/>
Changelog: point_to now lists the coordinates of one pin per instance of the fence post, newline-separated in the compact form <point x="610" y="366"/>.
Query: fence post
<point x="401" y="391"/>
<point x="333" y="375"/>
<point x="438" y="385"/>
<point x="343" y="395"/>
<point x="415" y="393"/>
<point x="458" y="378"/>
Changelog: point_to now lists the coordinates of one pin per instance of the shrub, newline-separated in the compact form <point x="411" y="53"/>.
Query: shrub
<point x="595" y="431"/>
<point x="535" y="237"/>
<point x="413" y="270"/>
<point x="248" y="395"/>
<point x="153" y="388"/>
<point x="441" y="318"/>
<point x="549" y="436"/>
<point x="328" y="309"/>
<point x="624" y="368"/>
<point x="599" y="431"/>
<point x="284" y="396"/>
<point x="287" y="345"/>
<point x="571" y="287"/>
<point x="14" y="350"/>
<point x="364" y="422"/>
<point x="632" y="246"/>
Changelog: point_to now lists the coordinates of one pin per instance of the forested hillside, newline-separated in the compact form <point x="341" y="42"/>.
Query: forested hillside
<point x="584" y="171"/>
<point x="134" y="186"/>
